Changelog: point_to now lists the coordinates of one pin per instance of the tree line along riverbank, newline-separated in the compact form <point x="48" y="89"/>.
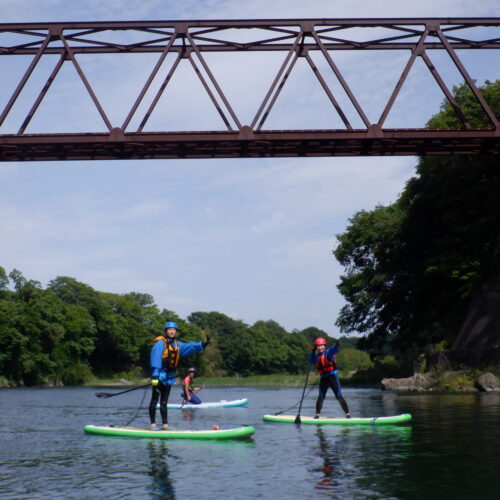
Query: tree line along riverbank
<point x="69" y="334"/>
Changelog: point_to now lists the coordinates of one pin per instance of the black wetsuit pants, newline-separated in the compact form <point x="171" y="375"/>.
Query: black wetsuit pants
<point x="159" y="392"/>
<point x="333" y="382"/>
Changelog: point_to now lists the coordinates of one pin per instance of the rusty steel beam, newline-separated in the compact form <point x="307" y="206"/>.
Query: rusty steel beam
<point x="86" y="37"/>
<point x="245" y="144"/>
<point x="294" y="38"/>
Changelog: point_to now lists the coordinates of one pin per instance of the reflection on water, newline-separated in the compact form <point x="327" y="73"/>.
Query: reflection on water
<point x="330" y="460"/>
<point x="187" y="414"/>
<point x="351" y="460"/>
<point x="162" y="486"/>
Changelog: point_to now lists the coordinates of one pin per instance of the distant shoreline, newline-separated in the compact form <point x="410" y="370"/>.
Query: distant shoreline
<point x="274" y="380"/>
<point x="459" y="381"/>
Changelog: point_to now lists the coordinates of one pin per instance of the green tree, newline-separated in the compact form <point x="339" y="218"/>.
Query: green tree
<point x="233" y="339"/>
<point x="268" y="351"/>
<point x="349" y="359"/>
<point x="13" y="343"/>
<point x="4" y="281"/>
<point x="368" y="250"/>
<point x="73" y="353"/>
<point x="411" y="268"/>
<point x="123" y="325"/>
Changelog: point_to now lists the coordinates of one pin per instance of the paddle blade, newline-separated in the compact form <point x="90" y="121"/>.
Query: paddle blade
<point x="103" y="394"/>
<point x="297" y="419"/>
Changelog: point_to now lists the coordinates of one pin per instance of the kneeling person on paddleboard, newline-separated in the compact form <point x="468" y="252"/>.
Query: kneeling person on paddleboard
<point x="326" y="364"/>
<point x="164" y="360"/>
<point x="188" y="395"/>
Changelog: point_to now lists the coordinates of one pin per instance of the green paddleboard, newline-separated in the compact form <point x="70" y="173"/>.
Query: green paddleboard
<point x="394" y="419"/>
<point x="106" y="430"/>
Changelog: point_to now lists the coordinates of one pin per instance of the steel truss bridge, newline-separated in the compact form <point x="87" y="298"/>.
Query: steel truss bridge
<point x="66" y="43"/>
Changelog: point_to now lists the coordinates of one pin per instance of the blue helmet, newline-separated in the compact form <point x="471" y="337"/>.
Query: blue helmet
<point x="171" y="324"/>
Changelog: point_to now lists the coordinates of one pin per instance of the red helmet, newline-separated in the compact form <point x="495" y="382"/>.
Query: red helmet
<point x="320" y="341"/>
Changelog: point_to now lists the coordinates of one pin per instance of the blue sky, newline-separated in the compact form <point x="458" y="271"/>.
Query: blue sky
<point x="249" y="238"/>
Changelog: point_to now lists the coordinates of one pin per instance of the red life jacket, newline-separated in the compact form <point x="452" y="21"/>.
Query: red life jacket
<point x="190" y="384"/>
<point x="324" y="365"/>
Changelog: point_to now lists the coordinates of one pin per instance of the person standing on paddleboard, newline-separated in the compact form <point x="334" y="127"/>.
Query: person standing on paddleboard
<point x="164" y="360"/>
<point x="326" y="364"/>
<point x="189" y="389"/>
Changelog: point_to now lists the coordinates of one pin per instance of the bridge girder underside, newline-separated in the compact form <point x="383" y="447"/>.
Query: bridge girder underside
<point x="261" y="145"/>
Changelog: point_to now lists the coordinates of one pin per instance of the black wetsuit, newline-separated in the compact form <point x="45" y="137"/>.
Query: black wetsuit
<point x="162" y="392"/>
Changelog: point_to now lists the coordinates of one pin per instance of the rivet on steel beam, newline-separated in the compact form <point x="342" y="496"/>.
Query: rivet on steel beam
<point x="433" y="27"/>
<point x="307" y="27"/>
<point x="246" y="133"/>
<point x="116" y="134"/>
<point x="375" y="130"/>
<point x="55" y="31"/>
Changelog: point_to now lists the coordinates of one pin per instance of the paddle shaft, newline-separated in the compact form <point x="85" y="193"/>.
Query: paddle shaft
<point x="297" y="419"/>
<point x="111" y="394"/>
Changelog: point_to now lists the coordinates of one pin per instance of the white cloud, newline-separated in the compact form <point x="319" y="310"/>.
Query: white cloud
<point x="147" y="208"/>
<point x="273" y="221"/>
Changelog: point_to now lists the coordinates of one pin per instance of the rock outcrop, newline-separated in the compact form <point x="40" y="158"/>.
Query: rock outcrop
<point x="417" y="382"/>
<point x="487" y="383"/>
<point x="454" y="381"/>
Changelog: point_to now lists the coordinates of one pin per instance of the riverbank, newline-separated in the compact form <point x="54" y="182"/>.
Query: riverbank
<point x="275" y="380"/>
<point x="437" y="381"/>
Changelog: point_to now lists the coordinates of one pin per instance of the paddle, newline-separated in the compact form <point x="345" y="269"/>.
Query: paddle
<point x="297" y="418"/>
<point x="111" y="394"/>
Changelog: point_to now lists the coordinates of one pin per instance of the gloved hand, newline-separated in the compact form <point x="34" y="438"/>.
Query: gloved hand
<point x="313" y="348"/>
<point x="154" y="381"/>
<point x="207" y="341"/>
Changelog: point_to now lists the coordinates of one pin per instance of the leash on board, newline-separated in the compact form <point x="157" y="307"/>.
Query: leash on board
<point x="295" y="405"/>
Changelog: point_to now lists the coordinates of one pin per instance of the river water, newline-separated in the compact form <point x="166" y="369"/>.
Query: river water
<point x="449" y="451"/>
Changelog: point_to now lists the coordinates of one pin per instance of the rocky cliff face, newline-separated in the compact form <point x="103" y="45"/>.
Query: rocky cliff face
<point x="480" y="333"/>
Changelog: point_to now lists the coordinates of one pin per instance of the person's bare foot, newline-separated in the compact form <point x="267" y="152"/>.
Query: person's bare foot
<point x="164" y="427"/>
<point x="153" y="427"/>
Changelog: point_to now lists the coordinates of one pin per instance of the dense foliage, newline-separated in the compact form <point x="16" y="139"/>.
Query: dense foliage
<point x="411" y="268"/>
<point x="67" y="332"/>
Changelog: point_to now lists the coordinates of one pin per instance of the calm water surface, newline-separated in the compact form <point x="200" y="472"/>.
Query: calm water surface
<point x="450" y="451"/>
